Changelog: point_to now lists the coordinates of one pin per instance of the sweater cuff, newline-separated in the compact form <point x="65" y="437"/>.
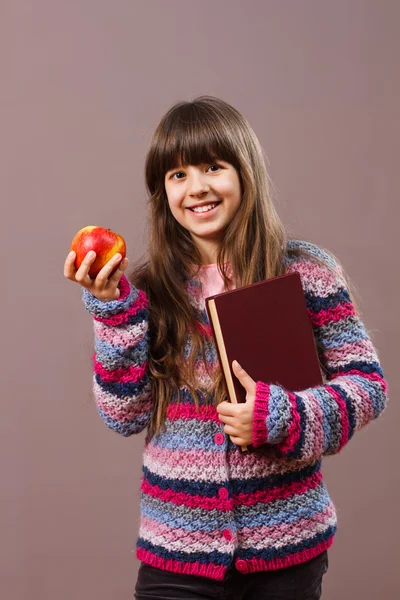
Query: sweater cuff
<point x="103" y="310"/>
<point x="272" y="413"/>
<point x="260" y="433"/>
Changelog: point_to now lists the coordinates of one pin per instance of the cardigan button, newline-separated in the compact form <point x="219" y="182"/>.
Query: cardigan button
<point x="223" y="493"/>
<point x="219" y="438"/>
<point x="241" y="566"/>
<point x="227" y="533"/>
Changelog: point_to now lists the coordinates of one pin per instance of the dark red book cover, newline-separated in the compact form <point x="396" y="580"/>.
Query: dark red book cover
<point x="266" y="328"/>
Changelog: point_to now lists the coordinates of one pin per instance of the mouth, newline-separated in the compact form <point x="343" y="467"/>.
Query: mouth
<point x="206" y="209"/>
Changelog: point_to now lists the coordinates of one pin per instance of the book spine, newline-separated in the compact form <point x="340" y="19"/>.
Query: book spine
<point x="219" y="339"/>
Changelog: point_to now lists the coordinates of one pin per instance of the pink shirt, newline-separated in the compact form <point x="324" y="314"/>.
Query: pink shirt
<point x="212" y="281"/>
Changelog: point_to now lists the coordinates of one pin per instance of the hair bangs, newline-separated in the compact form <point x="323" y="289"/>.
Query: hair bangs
<point x="192" y="136"/>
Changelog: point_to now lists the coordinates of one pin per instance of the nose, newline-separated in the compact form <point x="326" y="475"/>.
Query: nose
<point x="197" y="183"/>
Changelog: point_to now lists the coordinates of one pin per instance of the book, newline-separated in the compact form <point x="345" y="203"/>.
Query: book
<point x="265" y="327"/>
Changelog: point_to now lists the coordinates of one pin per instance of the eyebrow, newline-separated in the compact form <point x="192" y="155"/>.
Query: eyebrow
<point x="205" y="163"/>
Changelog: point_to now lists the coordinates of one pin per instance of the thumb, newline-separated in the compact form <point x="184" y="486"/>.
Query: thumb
<point x="247" y="382"/>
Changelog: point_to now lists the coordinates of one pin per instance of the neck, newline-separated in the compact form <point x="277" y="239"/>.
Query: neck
<point x="208" y="250"/>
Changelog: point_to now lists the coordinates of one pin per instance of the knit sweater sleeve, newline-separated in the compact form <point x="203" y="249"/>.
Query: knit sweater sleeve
<point x="121" y="385"/>
<point x="321" y="420"/>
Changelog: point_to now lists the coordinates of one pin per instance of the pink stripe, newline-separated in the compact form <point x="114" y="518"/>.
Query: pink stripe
<point x="241" y="499"/>
<point x="263" y="464"/>
<point x="130" y="374"/>
<point x="362" y="349"/>
<point x="364" y="409"/>
<point x="315" y="423"/>
<point x="370" y="376"/>
<point x="123" y="337"/>
<point x="121" y="412"/>
<point x="314" y="274"/>
<point x="123" y="317"/>
<point x="218" y="572"/>
<point x="204" y="329"/>
<point x="180" y="458"/>
<point x="339" y="313"/>
<point x="173" y="534"/>
<point x="200" y="367"/>
<point x="185" y="568"/>
<point x="261" y="412"/>
<point x="188" y="411"/>
<point x="265" y="532"/>
<point x="280" y="492"/>
<point x="292" y="529"/>
<point x="183" y="499"/>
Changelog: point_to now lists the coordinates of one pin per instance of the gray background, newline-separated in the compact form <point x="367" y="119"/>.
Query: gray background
<point x="83" y="85"/>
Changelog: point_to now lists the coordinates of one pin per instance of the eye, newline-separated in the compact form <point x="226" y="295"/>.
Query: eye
<point x="177" y="173"/>
<point x="182" y="173"/>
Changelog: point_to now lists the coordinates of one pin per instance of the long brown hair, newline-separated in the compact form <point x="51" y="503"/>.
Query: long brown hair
<point x="193" y="133"/>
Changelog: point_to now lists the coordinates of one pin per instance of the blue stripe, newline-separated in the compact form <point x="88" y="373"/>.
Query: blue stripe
<point x="318" y="303"/>
<point x="278" y="513"/>
<point x="108" y="309"/>
<point x="186" y="441"/>
<point x="331" y="424"/>
<point x="333" y="334"/>
<point x="139" y="317"/>
<point x="273" y="481"/>
<point x="108" y="354"/>
<point x="297" y="450"/>
<point x="279" y="414"/>
<point x="187" y="398"/>
<point x="376" y="394"/>
<point x="311" y="248"/>
<point x="122" y="390"/>
<point x="364" y="367"/>
<point x="281" y="511"/>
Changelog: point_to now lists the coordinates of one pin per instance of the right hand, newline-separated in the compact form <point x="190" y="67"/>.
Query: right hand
<point x="105" y="286"/>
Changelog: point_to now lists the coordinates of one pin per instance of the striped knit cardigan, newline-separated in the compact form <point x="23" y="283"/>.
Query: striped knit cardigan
<point x="205" y="504"/>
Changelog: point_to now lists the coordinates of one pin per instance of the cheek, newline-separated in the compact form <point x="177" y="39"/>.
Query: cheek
<point x="173" y="202"/>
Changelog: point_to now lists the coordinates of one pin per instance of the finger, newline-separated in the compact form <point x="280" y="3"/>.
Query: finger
<point x="226" y="408"/>
<point x="69" y="266"/>
<point x="229" y="420"/>
<point x="115" y="277"/>
<point x="107" y="271"/>
<point x="247" y="382"/>
<point x="82" y="274"/>
<point x="229" y="430"/>
<point x="237" y="440"/>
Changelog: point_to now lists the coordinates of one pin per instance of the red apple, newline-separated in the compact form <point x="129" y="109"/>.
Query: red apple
<point x="104" y="242"/>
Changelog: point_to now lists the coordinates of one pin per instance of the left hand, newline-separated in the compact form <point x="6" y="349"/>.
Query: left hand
<point x="238" y="418"/>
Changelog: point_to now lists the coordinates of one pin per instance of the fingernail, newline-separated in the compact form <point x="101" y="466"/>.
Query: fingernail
<point x="237" y="364"/>
<point x="91" y="254"/>
<point x="71" y="254"/>
<point x="117" y="257"/>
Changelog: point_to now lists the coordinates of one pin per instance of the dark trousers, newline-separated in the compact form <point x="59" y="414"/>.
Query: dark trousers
<point x="300" y="582"/>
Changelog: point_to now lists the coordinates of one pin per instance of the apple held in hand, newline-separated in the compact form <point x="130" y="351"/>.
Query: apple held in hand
<point x="104" y="242"/>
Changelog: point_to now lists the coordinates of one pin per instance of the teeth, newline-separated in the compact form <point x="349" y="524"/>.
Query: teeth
<point x="201" y="209"/>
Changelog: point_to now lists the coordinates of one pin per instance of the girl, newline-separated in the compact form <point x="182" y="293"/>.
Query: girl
<point x="217" y="522"/>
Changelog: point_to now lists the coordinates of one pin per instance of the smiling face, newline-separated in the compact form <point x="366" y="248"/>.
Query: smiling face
<point x="204" y="199"/>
